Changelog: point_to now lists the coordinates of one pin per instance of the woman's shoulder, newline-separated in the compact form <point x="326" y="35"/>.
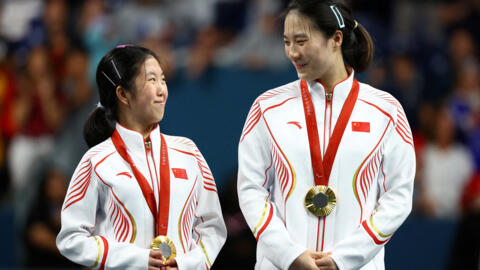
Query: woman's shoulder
<point x="180" y="143"/>
<point x="100" y="151"/>
<point x="378" y="97"/>
<point x="290" y="89"/>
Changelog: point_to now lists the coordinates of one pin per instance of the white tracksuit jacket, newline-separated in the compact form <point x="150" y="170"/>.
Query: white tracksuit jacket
<point x="106" y="221"/>
<point x="372" y="176"/>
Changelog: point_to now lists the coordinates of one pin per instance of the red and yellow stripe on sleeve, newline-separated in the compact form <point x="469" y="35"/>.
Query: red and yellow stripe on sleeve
<point x="264" y="220"/>
<point x="102" y="245"/>
<point x="378" y="237"/>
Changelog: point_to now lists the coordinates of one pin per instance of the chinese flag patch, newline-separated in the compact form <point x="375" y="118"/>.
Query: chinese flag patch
<point x="180" y="173"/>
<point x="361" y="126"/>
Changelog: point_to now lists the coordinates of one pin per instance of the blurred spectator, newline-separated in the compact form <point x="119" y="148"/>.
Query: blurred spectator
<point x="43" y="224"/>
<point x="78" y="97"/>
<point x="229" y="21"/>
<point x="7" y="123"/>
<point x="465" y="101"/>
<point x="97" y="32"/>
<point x="460" y="13"/>
<point x="462" y="48"/>
<point x="447" y="167"/>
<point x="38" y="115"/>
<point x="57" y="39"/>
<point x="260" y="45"/>
<point x="466" y="249"/>
<point x="406" y="84"/>
<point x="239" y="249"/>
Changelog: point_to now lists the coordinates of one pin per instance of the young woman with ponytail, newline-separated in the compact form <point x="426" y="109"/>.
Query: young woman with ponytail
<point x="139" y="199"/>
<point x="326" y="163"/>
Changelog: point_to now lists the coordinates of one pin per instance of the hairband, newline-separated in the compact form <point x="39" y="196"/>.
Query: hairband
<point x="123" y="46"/>
<point x="338" y="15"/>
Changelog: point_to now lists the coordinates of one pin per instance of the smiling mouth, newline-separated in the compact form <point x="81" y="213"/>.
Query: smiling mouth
<point x="300" y="66"/>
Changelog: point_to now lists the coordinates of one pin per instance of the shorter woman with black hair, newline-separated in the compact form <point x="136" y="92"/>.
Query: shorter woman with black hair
<point x="326" y="163"/>
<point x="139" y="199"/>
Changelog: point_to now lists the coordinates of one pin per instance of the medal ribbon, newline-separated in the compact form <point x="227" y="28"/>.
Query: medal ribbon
<point x="160" y="215"/>
<point x="323" y="168"/>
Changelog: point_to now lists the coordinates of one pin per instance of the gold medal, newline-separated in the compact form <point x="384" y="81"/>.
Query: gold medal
<point x="166" y="246"/>
<point x="320" y="200"/>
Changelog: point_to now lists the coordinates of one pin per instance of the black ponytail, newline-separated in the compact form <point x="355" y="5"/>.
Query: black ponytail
<point x="98" y="127"/>
<point x="358" y="53"/>
<point x="119" y="67"/>
<point x="357" y="46"/>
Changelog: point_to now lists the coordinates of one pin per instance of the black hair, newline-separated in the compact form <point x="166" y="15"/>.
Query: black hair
<point x="357" y="45"/>
<point x="118" y="67"/>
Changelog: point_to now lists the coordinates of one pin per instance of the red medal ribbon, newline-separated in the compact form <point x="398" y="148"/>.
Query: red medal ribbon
<point x="323" y="168"/>
<point x="160" y="214"/>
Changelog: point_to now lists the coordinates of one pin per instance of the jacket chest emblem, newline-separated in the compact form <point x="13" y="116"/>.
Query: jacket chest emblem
<point x="361" y="127"/>
<point x="180" y="173"/>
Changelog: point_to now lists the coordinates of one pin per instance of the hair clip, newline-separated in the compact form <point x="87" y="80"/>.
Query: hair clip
<point x="99" y="105"/>
<point x="116" y="70"/>
<point x="338" y="15"/>
<point x="108" y="78"/>
<point x="356" y="24"/>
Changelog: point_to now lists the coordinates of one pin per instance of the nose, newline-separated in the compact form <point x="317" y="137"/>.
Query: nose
<point x="162" y="88"/>
<point x="293" y="52"/>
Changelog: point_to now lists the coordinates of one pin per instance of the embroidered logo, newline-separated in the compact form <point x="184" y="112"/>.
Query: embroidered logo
<point x="296" y="123"/>
<point x="361" y="126"/>
<point x="180" y="173"/>
<point x="125" y="173"/>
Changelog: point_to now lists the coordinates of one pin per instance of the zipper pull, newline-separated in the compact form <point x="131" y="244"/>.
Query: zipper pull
<point x="329" y="96"/>
<point x="148" y="145"/>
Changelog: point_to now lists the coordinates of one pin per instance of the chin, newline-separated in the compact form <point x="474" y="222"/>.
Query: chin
<point x="304" y="77"/>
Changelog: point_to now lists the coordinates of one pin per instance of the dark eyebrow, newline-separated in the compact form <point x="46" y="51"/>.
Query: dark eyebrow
<point x="297" y="36"/>
<point x="151" y="73"/>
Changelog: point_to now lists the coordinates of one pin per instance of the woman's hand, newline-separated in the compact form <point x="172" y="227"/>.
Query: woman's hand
<point x="325" y="262"/>
<point x="306" y="261"/>
<point x="171" y="265"/>
<point x="155" y="261"/>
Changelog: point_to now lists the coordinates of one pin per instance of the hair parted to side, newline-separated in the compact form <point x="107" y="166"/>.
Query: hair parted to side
<point x="119" y="67"/>
<point x="357" y="45"/>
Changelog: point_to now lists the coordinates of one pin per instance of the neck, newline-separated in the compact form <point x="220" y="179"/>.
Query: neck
<point x="331" y="78"/>
<point x="127" y="121"/>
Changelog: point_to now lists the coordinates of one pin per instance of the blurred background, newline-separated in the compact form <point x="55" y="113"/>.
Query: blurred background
<point x="219" y="55"/>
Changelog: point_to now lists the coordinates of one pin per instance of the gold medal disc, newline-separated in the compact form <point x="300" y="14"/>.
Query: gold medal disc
<point x="165" y="245"/>
<point x="320" y="200"/>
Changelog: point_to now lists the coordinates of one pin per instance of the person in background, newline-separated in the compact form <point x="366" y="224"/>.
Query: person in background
<point x="447" y="167"/>
<point x="38" y="113"/>
<point x="43" y="223"/>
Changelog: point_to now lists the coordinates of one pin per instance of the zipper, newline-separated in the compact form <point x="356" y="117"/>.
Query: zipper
<point x="148" y="149"/>
<point x="328" y="119"/>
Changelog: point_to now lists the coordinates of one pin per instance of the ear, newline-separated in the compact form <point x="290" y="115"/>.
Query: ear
<point x="337" y="39"/>
<point x="123" y="95"/>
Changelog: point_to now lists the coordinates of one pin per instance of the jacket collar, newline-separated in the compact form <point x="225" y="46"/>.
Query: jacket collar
<point x="340" y="90"/>
<point x="134" y="141"/>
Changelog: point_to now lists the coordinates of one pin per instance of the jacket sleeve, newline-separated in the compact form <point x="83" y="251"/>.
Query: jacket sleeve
<point x="209" y="231"/>
<point x="254" y="181"/>
<point x="78" y="239"/>
<point x="393" y="205"/>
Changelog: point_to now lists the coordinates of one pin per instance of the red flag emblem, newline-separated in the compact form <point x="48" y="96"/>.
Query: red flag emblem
<point x="361" y="126"/>
<point x="180" y="173"/>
